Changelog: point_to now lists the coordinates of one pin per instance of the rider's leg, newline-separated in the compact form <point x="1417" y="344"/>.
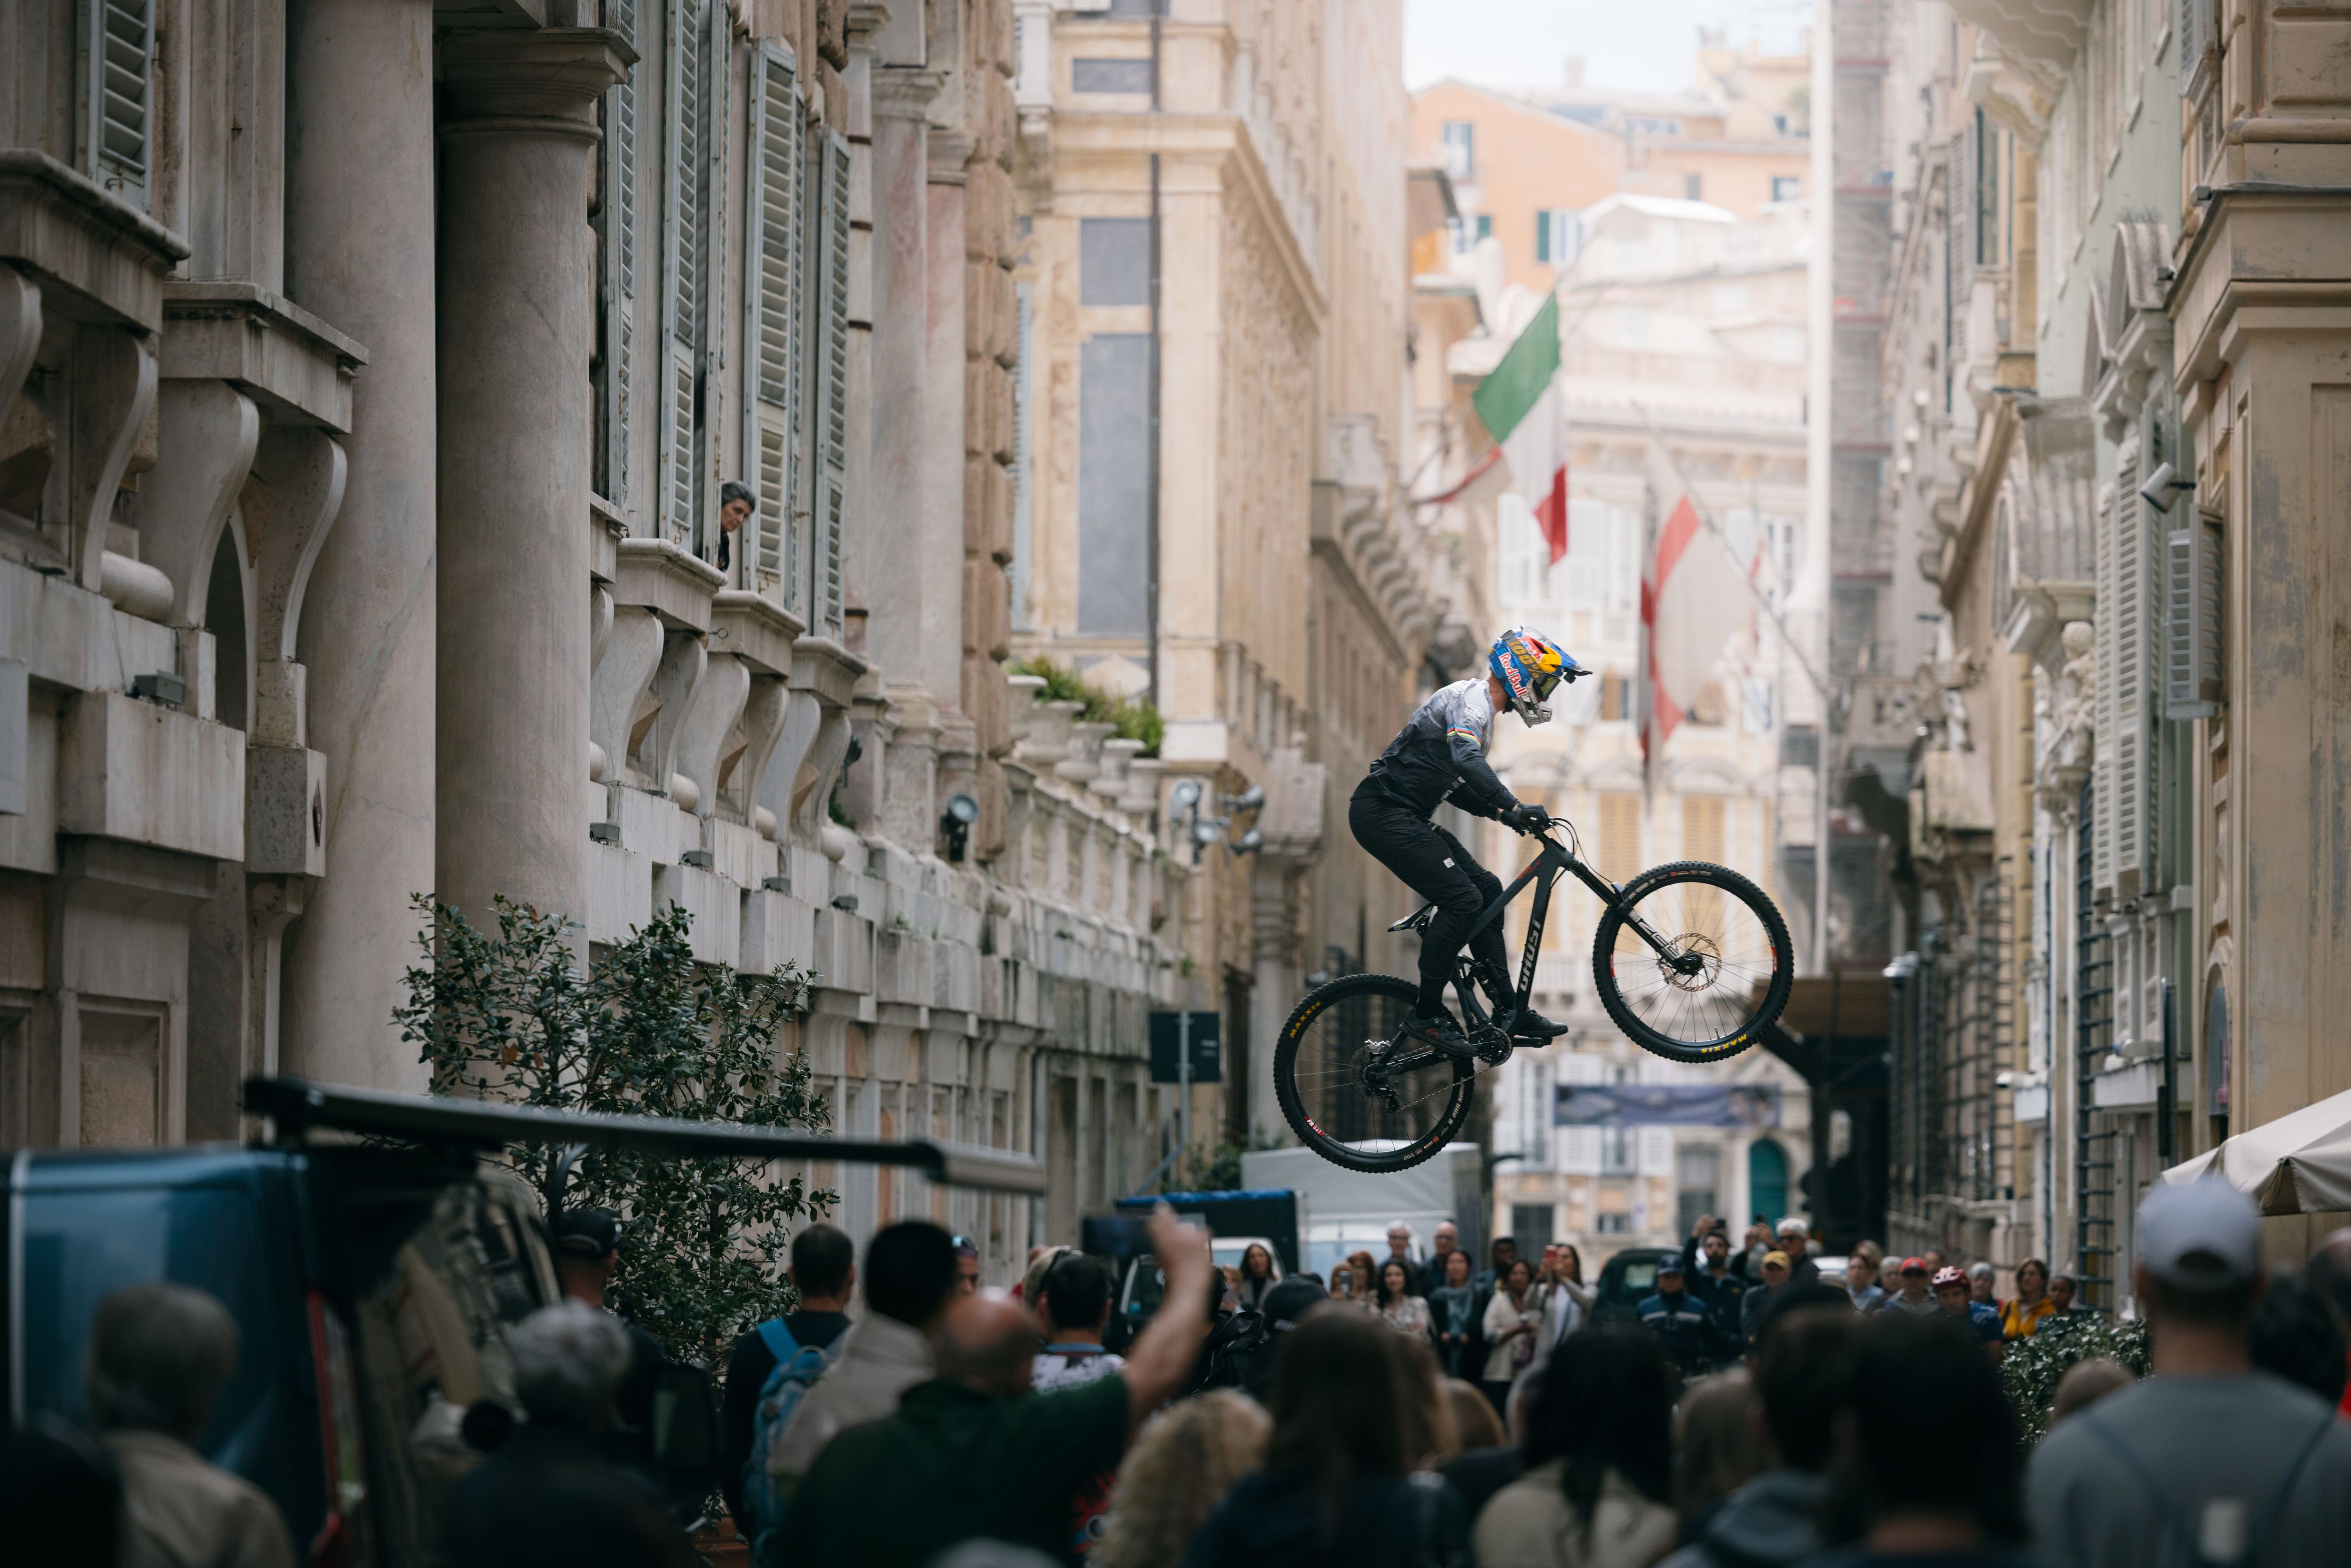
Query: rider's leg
<point x="1488" y="952"/>
<point x="1432" y="863"/>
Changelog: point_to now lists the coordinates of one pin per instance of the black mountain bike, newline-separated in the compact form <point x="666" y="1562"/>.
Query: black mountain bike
<point x="1690" y="959"/>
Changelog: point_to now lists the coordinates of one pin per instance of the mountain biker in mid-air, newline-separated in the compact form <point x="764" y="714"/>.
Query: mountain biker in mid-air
<point x="1439" y="754"/>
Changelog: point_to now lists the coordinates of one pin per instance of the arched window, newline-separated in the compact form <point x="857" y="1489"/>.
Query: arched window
<point x="1766" y="1180"/>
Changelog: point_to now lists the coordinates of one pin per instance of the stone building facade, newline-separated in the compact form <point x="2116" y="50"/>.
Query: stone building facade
<point x="368" y="373"/>
<point x="1211" y="505"/>
<point x="2116" y="782"/>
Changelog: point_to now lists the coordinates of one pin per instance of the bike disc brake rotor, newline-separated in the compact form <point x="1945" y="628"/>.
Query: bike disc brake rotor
<point x="1693" y="962"/>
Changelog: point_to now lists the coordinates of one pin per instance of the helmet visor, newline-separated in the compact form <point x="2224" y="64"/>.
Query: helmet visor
<point x="1545" y="683"/>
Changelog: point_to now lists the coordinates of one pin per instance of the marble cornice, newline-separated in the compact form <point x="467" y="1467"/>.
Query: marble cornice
<point x="69" y="232"/>
<point x="289" y="360"/>
<point x="494" y="79"/>
<point x="1219" y="141"/>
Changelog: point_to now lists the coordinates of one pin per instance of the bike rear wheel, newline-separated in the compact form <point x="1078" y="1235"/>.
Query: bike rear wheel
<point x="1349" y="1095"/>
<point x="1723" y="976"/>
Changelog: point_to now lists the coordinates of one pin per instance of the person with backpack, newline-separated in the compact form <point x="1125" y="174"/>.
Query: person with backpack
<point x="2208" y="1460"/>
<point x="790" y="1352"/>
<point x="911" y="1281"/>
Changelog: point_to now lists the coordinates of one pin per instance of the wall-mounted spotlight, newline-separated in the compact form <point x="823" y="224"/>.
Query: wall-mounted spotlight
<point x="1248" y="800"/>
<point x="955" y="823"/>
<point x="1248" y="843"/>
<point x="2158" y="490"/>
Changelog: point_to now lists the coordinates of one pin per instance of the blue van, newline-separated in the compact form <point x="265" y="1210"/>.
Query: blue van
<point x="372" y="1284"/>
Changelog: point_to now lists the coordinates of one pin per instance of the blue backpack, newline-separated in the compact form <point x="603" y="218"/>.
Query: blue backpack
<point x="797" y="1366"/>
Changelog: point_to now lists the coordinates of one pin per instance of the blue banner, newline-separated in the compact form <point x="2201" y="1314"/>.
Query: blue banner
<point x="1668" y="1105"/>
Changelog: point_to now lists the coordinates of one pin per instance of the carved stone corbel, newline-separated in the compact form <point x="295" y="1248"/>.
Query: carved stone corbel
<point x="684" y="659"/>
<point x="763" y="727"/>
<point x="207" y="437"/>
<point x="20" y="332"/>
<point x="114" y="393"/>
<point x="627" y="655"/>
<point x="290" y="503"/>
<point x="709" y="718"/>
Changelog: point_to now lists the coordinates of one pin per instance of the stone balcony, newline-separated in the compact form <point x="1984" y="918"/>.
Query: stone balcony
<point x="171" y="463"/>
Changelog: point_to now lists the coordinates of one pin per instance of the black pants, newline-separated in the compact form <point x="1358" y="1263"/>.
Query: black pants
<point x="1432" y="862"/>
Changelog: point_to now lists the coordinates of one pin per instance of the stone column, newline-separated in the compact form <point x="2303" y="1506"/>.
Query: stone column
<point x="897" y="513"/>
<point x="517" y="285"/>
<point x="359" y="240"/>
<point x="943" y="419"/>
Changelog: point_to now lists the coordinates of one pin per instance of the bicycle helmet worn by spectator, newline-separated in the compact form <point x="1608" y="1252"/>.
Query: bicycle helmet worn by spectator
<point x="1530" y="668"/>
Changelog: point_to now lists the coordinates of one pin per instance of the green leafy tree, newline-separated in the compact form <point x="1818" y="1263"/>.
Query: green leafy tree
<point x="648" y="1029"/>
<point x="2033" y="1366"/>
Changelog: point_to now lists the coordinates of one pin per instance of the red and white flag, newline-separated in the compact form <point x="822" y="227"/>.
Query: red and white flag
<point x="1693" y="597"/>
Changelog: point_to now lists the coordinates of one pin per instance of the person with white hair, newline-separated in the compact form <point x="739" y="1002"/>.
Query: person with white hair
<point x="1795" y="1239"/>
<point x="550" y="1496"/>
<point x="158" y="1354"/>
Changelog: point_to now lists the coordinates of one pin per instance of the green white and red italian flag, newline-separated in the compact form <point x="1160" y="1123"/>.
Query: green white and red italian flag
<point x="1520" y="405"/>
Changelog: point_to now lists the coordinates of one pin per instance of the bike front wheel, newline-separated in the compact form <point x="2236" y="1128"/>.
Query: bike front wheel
<point x="1692" y="962"/>
<point x="1349" y="1094"/>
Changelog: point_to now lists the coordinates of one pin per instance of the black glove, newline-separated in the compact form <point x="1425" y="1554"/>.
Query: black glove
<point x="1526" y="818"/>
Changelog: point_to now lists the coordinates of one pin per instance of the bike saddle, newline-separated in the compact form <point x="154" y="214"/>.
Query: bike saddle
<point x="1418" y="920"/>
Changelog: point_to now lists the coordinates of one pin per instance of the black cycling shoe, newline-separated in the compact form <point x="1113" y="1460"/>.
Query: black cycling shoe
<point x="1439" y="1033"/>
<point x="1530" y="1025"/>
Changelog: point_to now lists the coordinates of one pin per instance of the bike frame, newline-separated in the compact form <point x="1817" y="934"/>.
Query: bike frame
<point x="1545" y="871"/>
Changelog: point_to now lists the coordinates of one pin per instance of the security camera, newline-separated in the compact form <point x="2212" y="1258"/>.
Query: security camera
<point x="2158" y="490"/>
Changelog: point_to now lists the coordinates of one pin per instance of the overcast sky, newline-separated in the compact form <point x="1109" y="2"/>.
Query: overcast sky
<point x="1521" y="43"/>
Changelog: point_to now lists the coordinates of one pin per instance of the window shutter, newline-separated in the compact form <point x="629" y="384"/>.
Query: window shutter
<point x="1023" y="478"/>
<point x="686" y="260"/>
<point x="2191" y="651"/>
<point x="2101" y="763"/>
<point x="830" y="421"/>
<point x="2195" y="37"/>
<point x="115" y="126"/>
<point x="1542" y="234"/>
<point x="772" y="358"/>
<point x="2134" y="638"/>
<point x="1961" y="205"/>
<point x="619" y="303"/>
<point x="1656" y="1151"/>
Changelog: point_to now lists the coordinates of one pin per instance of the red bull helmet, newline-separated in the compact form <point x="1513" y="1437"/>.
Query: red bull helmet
<point x="1530" y="667"/>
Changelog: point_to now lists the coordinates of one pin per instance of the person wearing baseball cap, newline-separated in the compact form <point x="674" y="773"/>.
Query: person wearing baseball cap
<point x="1915" y="1296"/>
<point x="586" y="1246"/>
<point x="2207" y="1460"/>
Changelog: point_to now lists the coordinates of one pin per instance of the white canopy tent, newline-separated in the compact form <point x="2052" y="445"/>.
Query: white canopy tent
<point x="2299" y="1164"/>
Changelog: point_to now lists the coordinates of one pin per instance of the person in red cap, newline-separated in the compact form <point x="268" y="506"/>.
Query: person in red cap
<point x="1913" y="1297"/>
<point x="1956" y="1298"/>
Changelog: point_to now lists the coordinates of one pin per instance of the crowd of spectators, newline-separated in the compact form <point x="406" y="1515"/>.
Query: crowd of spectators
<point x="1415" y="1413"/>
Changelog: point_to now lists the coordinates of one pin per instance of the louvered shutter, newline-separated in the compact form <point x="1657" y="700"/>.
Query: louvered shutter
<point x="2191" y="649"/>
<point x="618" y="301"/>
<point x="2101" y="764"/>
<point x="115" y="49"/>
<point x="829" y="379"/>
<point x="2195" y="37"/>
<point x="685" y="234"/>
<point x="1961" y="211"/>
<point x="1023" y="435"/>
<point x="2134" y="605"/>
<point x="773" y="357"/>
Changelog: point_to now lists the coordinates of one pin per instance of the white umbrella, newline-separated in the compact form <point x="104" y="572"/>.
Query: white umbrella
<point x="2299" y="1164"/>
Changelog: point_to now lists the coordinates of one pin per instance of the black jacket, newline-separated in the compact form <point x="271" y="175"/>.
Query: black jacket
<point x="1440" y="753"/>
<point x="551" y="1496"/>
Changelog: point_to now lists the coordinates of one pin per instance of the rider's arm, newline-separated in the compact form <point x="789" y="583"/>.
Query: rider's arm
<point x="1480" y="792"/>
